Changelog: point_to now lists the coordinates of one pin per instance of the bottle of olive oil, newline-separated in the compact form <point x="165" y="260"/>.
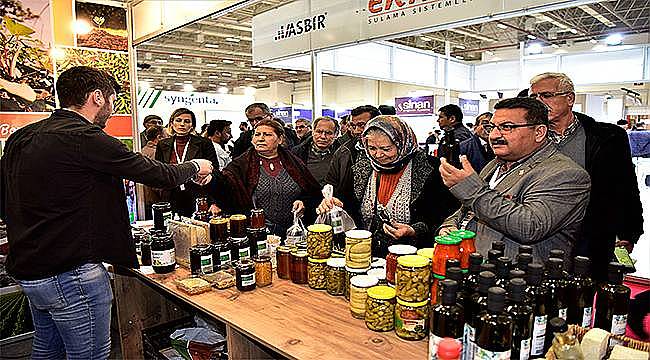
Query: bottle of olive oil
<point x="477" y="303"/>
<point x="494" y="328"/>
<point x="447" y="317"/>
<point x="558" y="286"/>
<point x="522" y="317"/>
<point x="613" y="302"/>
<point x="581" y="293"/>
<point x="540" y="300"/>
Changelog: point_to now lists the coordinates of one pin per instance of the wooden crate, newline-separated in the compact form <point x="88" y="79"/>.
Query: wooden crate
<point x="188" y="233"/>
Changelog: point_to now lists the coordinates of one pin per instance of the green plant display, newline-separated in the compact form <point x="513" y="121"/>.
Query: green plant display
<point x="15" y="317"/>
<point x="115" y="63"/>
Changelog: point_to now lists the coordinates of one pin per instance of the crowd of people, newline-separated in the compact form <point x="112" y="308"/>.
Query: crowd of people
<point x="532" y="172"/>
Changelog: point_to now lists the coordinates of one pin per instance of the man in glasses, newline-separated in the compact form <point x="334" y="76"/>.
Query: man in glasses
<point x="477" y="148"/>
<point x="303" y="129"/>
<point x="317" y="150"/>
<point x="603" y="149"/>
<point x="255" y="113"/>
<point x="529" y="194"/>
<point x="149" y="121"/>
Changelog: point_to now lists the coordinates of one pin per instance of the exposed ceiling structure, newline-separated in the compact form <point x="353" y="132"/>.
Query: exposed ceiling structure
<point x="216" y="53"/>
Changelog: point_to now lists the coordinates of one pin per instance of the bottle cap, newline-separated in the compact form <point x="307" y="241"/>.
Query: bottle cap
<point x="525" y="249"/>
<point x="523" y="260"/>
<point x="499" y="245"/>
<point x="493" y="255"/>
<point x="556" y="253"/>
<point x="517" y="287"/>
<point x="516" y="273"/>
<point x="449" y="348"/>
<point x="448" y="240"/>
<point x="496" y="299"/>
<point x="475" y="261"/>
<point x="503" y="267"/>
<point x="464" y="234"/>
<point x="381" y="292"/>
<point x="486" y="279"/>
<point x="450" y="263"/>
<point x="456" y="274"/>
<point x="413" y="261"/>
<point x="581" y="265"/>
<point x="489" y="267"/>
<point x="615" y="272"/>
<point x="557" y="325"/>
<point x="449" y="291"/>
<point x="534" y="273"/>
<point x="319" y="228"/>
<point x="555" y="267"/>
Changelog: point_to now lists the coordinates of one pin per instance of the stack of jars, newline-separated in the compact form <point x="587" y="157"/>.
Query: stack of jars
<point x="160" y="253"/>
<point x="467" y="247"/>
<point x="394" y="252"/>
<point x="447" y="247"/>
<point x="319" y="249"/>
<point x="412" y="287"/>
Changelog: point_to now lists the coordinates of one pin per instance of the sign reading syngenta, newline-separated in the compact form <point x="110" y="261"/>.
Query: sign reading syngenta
<point x="303" y="26"/>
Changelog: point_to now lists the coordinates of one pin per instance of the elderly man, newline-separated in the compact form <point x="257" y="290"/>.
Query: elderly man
<point x="530" y="194"/>
<point x="317" y="150"/>
<point x="255" y="113"/>
<point x="303" y="129"/>
<point x="477" y="148"/>
<point x="614" y="209"/>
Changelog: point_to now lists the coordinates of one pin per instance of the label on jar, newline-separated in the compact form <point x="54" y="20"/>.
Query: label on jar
<point x="261" y="246"/>
<point x="562" y="313"/>
<point x="586" y="317"/>
<point x="292" y="240"/>
<point x="434" y="340"/>
<point x="619" y="322"/>
<point x="524" y="349"/>
<point x="163" y="258"/>
<point x="248" y="280"/>
<point x="413" y="325"/>
<point x="483" y="354"/>
<point x="468" y="342"/>
<point x="206" y="263"/>
<point x="224" y="257"/>
<point x="244" y="253"/>
<point x="539" y="333"/>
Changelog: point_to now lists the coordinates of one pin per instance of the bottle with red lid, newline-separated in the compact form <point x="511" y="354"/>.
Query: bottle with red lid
<point x="449" y="349"/>
<point x="447" y="247"/>
<point x="467" y="246"/>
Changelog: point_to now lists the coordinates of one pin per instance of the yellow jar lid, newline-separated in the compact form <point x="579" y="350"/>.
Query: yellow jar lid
<point x="426" y="252"/>
<point x="413" y="261"/>
<point x="238" y="217"/>
<point x="412" y="304"/>
<point x="319" y="228"/>
<point x="318" y="261"/>
<point x="381" y="292"/>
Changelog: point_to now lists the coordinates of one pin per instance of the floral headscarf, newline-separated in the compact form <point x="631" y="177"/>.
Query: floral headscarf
<point x="400" y="133"/>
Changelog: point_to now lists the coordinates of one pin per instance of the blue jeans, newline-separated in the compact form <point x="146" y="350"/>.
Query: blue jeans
<point x="71" y="313"/>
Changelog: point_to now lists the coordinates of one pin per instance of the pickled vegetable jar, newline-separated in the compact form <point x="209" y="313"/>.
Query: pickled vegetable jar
<point x="380" y="308"/>
<point x="412" y="278"/>
<point x="319" y="241"/>
<point x="395" y="251"/>
<point x="447" y="247"/>
<point x="412" y="319"/>
<point x="317" y="273"/>
<point x="336" y="276"/>
<point x="358" y="293"/>
<point x="467" y="246"/>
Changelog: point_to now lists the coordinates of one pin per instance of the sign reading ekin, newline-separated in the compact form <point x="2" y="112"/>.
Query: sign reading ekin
<point x="414" y="106"/>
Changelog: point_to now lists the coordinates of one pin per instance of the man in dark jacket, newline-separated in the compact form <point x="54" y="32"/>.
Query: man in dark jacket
<point x="477" y="148"/>
<point x="62" y="197"/>
<point x="318" y="149"/>
<point x="255" y="113"/>
<point x="614" y="214"/>
<point x="450" y="117"/>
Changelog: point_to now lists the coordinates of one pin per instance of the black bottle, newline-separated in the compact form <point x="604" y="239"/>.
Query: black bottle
<point x="452" y="263"/>
<point x="447" y="317"/>
<point x="499" y="245"/>
<point x="489" y="267"/>
<point x="471" y="280"/>
<point x="475" y="304"/>
<point x="525" y="249"/>
<point x="493" y="255"/>
<point x="494" y="328"/>
<point x="558" y="287"/>
<point x="540" y="301"/>
<point x="581" y="293"/>
<point x="503" y="272"/>
<point x="555" y="325"/>
<point x="522" y="317"/>
<point x="163" y="255"/>
<point x="449" y="148"/>
<point x="523" y="260"/>
<point x="516" y="273"/>
<point x="456" y="274"/>
<point x="613" y="301"/>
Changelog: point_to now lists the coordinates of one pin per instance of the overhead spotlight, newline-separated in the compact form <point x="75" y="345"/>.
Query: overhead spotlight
<point x="501" y="26"/>
<point x="232" y="39"/>
<point x="483" y="96"/>
<point x="174" y="56"/>
<point x="573" y="31"/>
<point x="535" y="48"/>
<point x="213" y="46"/>
<point x="499" y="94"/>
<point x="614" y="39"/>
<point x="555" y="46"/>
<point x="531" y="37"/>
<point x="188" y="87"/>
<point x="223" y="90"/>
<point x="489" y="52"/>
<point x="593" y="41"/>
<point x="228" y="61"/>
<point x="223" y="83"/>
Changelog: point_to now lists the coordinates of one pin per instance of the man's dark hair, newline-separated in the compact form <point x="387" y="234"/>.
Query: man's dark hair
<point x="621" y="122"/>
<point x="523" y="93"/>
<point x="365" y="109"/>
<point x="536" y="111"/>
<point x="153" y="132"/>
<point x="478" y="121"/>
<point x="262" y="106"/>
<point x="387" y="110"/>
<point x="345" y="119"/>
<point x="217" y="125"/>
<point x="75" y="84"/>
<point x="150" y="118"/>
<point x="183" y="111"/>
<point x="452" y="110"/>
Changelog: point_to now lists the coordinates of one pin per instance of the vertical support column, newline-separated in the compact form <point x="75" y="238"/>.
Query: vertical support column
<point x="446" y="82"/>
<point x="316" y="86"/>
<point x="522" y="54"/>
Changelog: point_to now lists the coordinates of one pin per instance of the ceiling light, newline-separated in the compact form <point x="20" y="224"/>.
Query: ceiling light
<point x="232" y="39"/>
<point x="211" y="65"/>
<point x="599" y="47"/>
<point x="226" y="61"/>
<point x="248" y="79"/>
<point x="535" y="48"/>
<point x="489" y="52"/>
<point x="213" y="46"/>
<point x="292" y="72"/>
<point x="184" y="71"/>
<point x="57" y="53"/>
<point x="179" y="84"/>
<point x="81" y="27"/>
<point x="555" y="46"/>
<point x="593" y="41"/>
<point x="223" y="83"/>
<point x="293" y="79"/>
<point x="459" y="57"/>
<point x="425" y="38"/>
<point x="249" y="91"/>
<point x="188" y="87"/>
<point x="223" y="90"/>
<point x="459" y="47"/>
<point x="255" y="69"/>
<point x="161" y="60"/>
<point x="226" y="74"/>
<point x="573" y="31"/>
<point x="614" y="39"/>
<point x="172" y="74"/>
<point x="212" y="85"/>
<point x="187" y="81"/>
<point x="262" y="77"/>
<point x="200" y="38"/>
<point x="213" y="77"/>
<point x="532" y="37"/>
<point x="501" y="26"/>
<point x="174" y="56"/>
<point x="147" y="80"/>
<point x="473" y="34"/>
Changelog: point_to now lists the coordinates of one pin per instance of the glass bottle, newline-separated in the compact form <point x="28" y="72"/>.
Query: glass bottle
<point x="162" y="213"/>
<point x="499" y="246"/>
<point x="163" y="254"/>
<point x="447" y="247"/>
<point x="581" y="293"/>
<point x="476" y="304"/>
<point x="493" y="255"/>
<point x="557" y="286"/>
<point x="449" y="148"/>
<point x="467" y="246"/>
<point x="523" y="260"/>
<point x="238" y="225"/>
<point x="503" y="272"/>
<point x="613" y="301"/>
<point x="283" y="262"/>
<point x="516" y="273"/>
<point x="540" y="300"/>
<point x="525" y="249"/>
<point x="245" y="275"/>
<point x="257" y="219"/>
<point x="218" y="230"/>
<point x="494" y="328"/>
<point x="447" y="318"/>
<point x="456" y="274"/>
<point x="202" y="207"/>
<point x="299" y="264"/>
<point x="522" y="317"/>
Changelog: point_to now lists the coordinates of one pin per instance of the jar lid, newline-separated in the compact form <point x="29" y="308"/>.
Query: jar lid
<point x="244" y="263"/>
<point x="284" y="248"/>
<point x="299" y="253"/>
<point x="239" y="238"/>
<point x="218" y="220"/>
<point x="363" y="281"/>
<point x="402" y="249"/>
<point x="412" y="304"/>
<point x="358" y="234"/>
<point x="413" y="261"/>
<point x="356" y="271"/>
<point x="319" y="228"/>
<point x="238" y="217"/>
<point x="463" y="234"/>
<point x="439" y="277"/>
<point x="318" y="261"/>
<point x="336" y="262"/>
<point x="162" y="204"/>
<point x="378" y="263"/>
<point x="381" y="292"/>
<point x="379" y="273"/>
<point x="448" y="240"/>
<point x="201" y="247"/>
<point x="262" y="258"/>
<point x="426" y="252"/>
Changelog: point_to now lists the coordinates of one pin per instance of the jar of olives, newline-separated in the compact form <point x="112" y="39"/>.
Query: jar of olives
<point x="336" y="276"/>
<point x="317" y="273"/>
<point x="412" y="278"/>
<point x="380" y="308"/>
<point x="319" y="241"/>
<point x="412" y="319"/>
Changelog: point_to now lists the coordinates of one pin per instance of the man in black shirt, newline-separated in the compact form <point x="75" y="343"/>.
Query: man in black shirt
<point x="62" y="197"/>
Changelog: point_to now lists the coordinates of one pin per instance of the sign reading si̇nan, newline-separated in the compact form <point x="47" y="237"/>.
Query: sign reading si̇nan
<point x="414" y="106"/>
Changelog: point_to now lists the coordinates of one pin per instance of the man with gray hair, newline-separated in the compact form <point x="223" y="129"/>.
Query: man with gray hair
<point x="614" y="215"/>
<point x="303" y="129"/>
<point x="318" y="149"/>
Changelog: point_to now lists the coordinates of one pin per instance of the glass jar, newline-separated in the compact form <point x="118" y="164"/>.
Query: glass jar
<point x="380" y="308"/>
<point x="349" y="273"/>
<point x="358" y="293"/>
<point x="257" y="219"/>
<point x="162" y="213"/>
<point x="378" y="263"/>
<point x="238" y="226"/>
<point x="357" y="249"/>
<point x="201" y="261"/>
<point x="245" y="275"/>
<point x="412" y="278"/>
<point x="299" y="267"/>
<point x="319" y="241"/>
<point x="221" y="253"/>
<point x="257" y="239"/>
<point x="395" y="251"/>
<point x="467" y="246"/>
<point x="317" y="273"/>
<point x="240" y="248"/>
<point x="163" y="254"/>
<point x="426" y="252"/>
<point x="447" y="247"/>
<point x="283" y="255"/>
<point x="380" y="274"/>
<point x="411" y="319"/>
<point x="336" y="276"/>
<point x="272" y="243"/>
<point x="263" y="270"/>
<point x="218" y="229"/>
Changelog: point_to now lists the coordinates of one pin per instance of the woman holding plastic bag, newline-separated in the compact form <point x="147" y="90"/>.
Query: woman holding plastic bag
<point x="267" y="177"/>
<point x="399" y="192"/>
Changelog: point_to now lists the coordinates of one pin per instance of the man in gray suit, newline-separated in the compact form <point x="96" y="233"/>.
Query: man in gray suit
<point x="529" y="194"/>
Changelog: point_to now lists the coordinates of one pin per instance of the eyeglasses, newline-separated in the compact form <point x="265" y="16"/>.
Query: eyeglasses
<point x="323" y="132"/>
<point x="301" y="127"/>
<point x="357" y="125"/>
<point x="505" y="128"/>
<point x="548" y="94"/>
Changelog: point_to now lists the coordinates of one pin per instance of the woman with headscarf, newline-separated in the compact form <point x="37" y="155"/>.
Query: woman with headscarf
<point x="399" y="195"/>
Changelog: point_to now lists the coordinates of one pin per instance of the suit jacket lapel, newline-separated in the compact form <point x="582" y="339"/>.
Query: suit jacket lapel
<point x="513" y="177"/>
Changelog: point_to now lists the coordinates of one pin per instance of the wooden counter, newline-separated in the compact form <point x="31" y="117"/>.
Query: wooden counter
<point x="292" y="320"/>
